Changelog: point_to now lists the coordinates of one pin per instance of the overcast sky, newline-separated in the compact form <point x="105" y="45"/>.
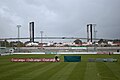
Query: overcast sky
<point x="60" y="17"/>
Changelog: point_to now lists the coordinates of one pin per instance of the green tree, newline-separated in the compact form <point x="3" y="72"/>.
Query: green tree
<point x="16" y="44"/>
<point x="78" y="41"/>
<point x="102" y="41"/>
<point x="4" y="43"/>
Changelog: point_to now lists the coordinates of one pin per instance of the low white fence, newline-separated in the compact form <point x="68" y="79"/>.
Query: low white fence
<point x="4" y="54"/>
<point x="69" y="53"/>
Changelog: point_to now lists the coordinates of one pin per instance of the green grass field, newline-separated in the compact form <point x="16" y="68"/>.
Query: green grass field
<point x="83" y="70"/>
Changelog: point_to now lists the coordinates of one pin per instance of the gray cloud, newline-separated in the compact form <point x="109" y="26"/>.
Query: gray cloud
<point x="60" y="17"/>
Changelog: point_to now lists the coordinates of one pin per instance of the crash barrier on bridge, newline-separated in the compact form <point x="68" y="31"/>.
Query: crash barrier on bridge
<point x="34" y="60"/>
<point x="72" y="58"/>
<point x="102" y="60"/>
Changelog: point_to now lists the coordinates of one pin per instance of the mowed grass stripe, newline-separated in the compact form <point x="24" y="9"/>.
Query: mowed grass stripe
<point x="20" y="71"/>
<point x="3" y="64"/>
<point x="64" y="73"/>
<point x="10" y="71"/>
<point x="37" y="72"/>
<point x="10" y="67"/>
<point x="115" y="68"/>
<point x="104" y="72"/>
<point x="50" y="72"/>
<point x="24" y="70"/>
<point x="91" y="72"/>
<point x="78" y="71"/>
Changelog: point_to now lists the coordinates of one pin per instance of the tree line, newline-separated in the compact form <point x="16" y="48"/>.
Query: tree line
<point x="5" y="43"/>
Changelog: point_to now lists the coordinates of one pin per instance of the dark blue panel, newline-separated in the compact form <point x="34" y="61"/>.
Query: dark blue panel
<point x="72" y="58"/>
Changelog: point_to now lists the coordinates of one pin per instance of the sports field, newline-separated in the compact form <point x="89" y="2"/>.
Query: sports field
<point x="83" y="70"/>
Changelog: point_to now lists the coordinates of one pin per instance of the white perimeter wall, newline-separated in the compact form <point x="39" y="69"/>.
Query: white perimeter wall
<point x="65" y="53"/>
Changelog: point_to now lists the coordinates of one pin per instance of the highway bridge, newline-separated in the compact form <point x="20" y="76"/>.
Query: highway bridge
<point x="51" y="38"/>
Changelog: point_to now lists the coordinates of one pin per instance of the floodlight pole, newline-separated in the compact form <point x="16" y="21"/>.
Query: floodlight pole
<point x="94" y="25"/>
<point x="41" y="32"/>
<point x="18" y="26"/>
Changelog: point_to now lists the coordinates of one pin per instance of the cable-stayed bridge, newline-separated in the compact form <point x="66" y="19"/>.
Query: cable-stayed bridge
<point x="51" y="38"/>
